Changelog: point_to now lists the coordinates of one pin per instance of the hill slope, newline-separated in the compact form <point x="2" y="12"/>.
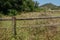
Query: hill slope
<point x="50" y="6"/>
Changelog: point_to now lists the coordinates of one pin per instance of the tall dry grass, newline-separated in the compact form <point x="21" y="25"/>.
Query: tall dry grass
<point x="34" y="29"/>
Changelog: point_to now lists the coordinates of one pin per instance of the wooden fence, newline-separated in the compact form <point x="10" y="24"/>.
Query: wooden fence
<point x="13" y="19"/>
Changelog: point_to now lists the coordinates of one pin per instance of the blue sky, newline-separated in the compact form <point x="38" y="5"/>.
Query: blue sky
<point x="56" y="2"/>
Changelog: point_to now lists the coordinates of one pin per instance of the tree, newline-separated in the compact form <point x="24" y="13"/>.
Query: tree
<point x="19" y="5"/>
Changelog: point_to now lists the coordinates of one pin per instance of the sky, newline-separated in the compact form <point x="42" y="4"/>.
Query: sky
<point x="41" y="2"/>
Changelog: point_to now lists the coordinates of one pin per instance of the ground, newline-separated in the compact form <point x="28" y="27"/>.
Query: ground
<point x="33" y="29"/>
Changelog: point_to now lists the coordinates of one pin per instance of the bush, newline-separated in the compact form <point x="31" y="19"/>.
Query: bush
<point x="12" y="12"/>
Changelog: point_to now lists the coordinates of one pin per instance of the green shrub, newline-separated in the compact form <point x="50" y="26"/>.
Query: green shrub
<point x="12" y="12"/>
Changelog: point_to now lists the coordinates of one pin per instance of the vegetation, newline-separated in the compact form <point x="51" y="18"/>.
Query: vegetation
<point x="28" y="29"/>
<point x="32" y="29"/>
<point x="50" y="6"/>
<point x="18" y="5"/>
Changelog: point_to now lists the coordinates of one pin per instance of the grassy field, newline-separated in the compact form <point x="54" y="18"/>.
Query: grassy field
<point x="32" y="29"/>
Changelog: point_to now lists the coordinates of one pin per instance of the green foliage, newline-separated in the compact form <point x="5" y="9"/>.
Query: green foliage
<point x="1" y="15"/>
<point x="12" y="12"/>
<point x="19" y="5"/>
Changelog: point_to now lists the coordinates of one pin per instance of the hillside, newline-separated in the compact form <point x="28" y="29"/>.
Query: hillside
<point x="50" y="6"/>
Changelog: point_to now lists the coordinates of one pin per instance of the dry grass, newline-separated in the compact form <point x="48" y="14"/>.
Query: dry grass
<point x="29" y="30"/>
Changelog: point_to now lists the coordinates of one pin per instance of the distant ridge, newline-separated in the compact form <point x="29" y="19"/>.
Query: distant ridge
<point x="50" y="6"/>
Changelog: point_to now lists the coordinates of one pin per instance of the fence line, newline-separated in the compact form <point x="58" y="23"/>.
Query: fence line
<point x="13" y="19"/>
<point x="44" y="17"/>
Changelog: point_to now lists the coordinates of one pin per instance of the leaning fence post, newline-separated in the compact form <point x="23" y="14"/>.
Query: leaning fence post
<point x="14" y="26"/>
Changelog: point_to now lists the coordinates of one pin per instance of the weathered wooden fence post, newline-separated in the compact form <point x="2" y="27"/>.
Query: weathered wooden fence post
<point x="14" y="26"/>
